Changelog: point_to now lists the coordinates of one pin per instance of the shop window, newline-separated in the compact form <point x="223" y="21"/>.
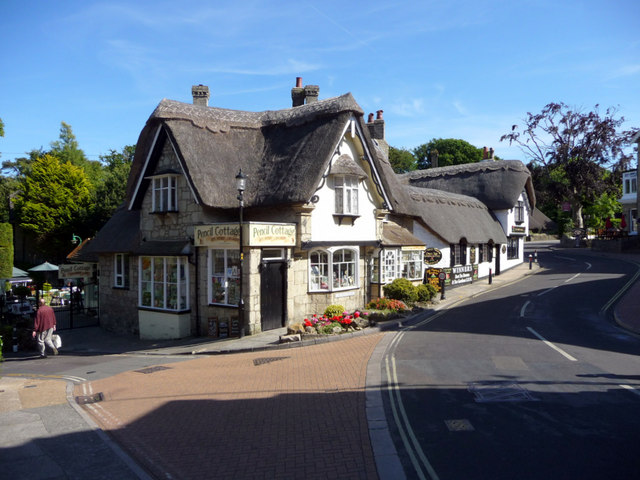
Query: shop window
<point x="121" y="270"/>
<point x="346" y="191"/>
<point x="165" y="194"/>
<point x="224" y="276"/>
<point x="513" y="248"/>
<point x="519" y="212"/>
<point x="459" y="253"/>
<point x="164" y="283"/>
<point x="412" y="264"/>
<point x="333" y="269"/>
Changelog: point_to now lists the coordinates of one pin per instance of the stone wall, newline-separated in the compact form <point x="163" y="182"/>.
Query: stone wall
<point x="118" y="306"/>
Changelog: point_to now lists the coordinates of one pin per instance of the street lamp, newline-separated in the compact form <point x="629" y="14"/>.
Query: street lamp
<point x="241" y="180"/>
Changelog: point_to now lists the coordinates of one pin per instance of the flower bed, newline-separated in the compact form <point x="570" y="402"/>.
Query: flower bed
<point x="329" y="325"/>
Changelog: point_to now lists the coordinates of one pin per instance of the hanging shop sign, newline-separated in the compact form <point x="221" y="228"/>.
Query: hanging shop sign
<point x="432" y="256"/>
<point x="76" y="270"/>
<point x="518" y="230"/>
<point x="227" y="235"/>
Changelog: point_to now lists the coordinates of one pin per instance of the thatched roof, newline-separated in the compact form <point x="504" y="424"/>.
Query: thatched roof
<point x="498" y="184"/>
<point x="394" y="236"/>
<point x="284" y="153"/>
<point x="453" y="217"/>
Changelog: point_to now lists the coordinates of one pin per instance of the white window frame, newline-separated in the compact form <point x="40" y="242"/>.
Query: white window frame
<point x="390" y="268"/>
<point x="415" y="258"/>
<point x="331" y="272"/>
<point x="156" y="283"/>
<point x="120" y="270"/>
<point x="164" y="190"/>
<point x="346" y="194"/>
<point x="227" y="281"/>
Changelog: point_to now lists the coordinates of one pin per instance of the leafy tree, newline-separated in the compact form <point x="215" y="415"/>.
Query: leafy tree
<point x="573" y="148"/>
<point x="450" y="151"/>
<point x="66" y="149"/>
<point x="6" y="251"/>
<point x="1" y="128"/>
<point x="402" y="160"/>
<point x="52" y="202"/>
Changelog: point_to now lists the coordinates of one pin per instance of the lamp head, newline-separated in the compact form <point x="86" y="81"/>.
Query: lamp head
<point x="241" y="180"/>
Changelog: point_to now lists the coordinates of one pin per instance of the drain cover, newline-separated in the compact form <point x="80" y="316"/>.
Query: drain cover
<point x="459" y="425"/>
<point x="152" y="369"/>
<point x="263" y="361"/>
<point x="85" y="399"/>
<point x="499" y="392"/>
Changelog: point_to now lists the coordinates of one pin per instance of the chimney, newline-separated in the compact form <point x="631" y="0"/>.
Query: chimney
<point x="434" y="158"/>
<point x="376" y="130"/>
<point x="311" y="93"/>
<point x="200" y="95"/>
<point x="297" y="93"/>
<point x="491" y="153"/>
<point x="485" y="153"/>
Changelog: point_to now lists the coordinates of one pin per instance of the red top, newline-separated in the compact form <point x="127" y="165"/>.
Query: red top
<point x="45" y="319"/>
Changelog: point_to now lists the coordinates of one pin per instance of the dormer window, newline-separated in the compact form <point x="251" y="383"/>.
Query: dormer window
<point x="346" y="188"/>
<point x="519" y="212"/>
<point x="165" y="194"/>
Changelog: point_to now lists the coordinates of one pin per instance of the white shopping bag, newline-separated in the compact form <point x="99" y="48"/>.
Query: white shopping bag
<point x="57" y="341"/>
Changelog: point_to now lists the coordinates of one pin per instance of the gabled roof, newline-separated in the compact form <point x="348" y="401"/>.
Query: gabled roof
<point x="498" y="184"/>
<point x="284" y="153"/>
<point x="121" y="234"/>
<point x="453" y="217"/>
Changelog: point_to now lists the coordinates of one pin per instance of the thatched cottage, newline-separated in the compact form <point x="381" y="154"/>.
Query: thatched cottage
<point x="324" y="219"/>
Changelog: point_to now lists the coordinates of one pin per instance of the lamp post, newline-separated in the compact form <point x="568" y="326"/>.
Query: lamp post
<point x="241" y="180"/>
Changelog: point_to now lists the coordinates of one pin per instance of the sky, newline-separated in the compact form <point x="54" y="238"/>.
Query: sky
<point x="438" y="69"/>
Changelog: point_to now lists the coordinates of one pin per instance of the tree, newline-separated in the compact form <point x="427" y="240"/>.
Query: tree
<point x="450" y="151"/>
<point x="66" y="149"/>
<point x="6" y="251"/>
<point x="52" y="202"/>
<point x="402" y="160"/>
<point x="574" y="148"/>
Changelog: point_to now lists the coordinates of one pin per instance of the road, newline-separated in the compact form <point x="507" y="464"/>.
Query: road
<point x="532" y="380"/>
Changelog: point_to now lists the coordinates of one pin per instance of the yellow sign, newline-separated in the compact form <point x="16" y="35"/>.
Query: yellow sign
<point x="227" y="235"/>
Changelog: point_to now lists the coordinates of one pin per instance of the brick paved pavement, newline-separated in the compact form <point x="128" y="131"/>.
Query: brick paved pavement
<point x="297" y="413"/>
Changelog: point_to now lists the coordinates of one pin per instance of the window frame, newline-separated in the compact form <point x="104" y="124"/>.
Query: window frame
<point x="121" y="270"/>
<point x="160" y="282"/>
<point x="158" y="190"/>
<point x="327" y="272"/>
<point x="228" y="277"/>
<point x="513" y="248"/>
<point x="347" y="191"/>
<point x="415" y="258"/>
<point x="519" y="212"/>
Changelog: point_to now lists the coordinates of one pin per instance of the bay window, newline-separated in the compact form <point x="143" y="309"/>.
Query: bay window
<point x="333" y="269"/>
<point x="412" y="264"/>
<point x="164" y="283"/>
<point x="224" y="276"/>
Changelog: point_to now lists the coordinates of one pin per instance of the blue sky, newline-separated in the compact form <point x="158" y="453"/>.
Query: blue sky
<point x="438" y="69"/>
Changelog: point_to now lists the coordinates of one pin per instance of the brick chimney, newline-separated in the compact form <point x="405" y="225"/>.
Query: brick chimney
<point x="297" y="93"/>
<point x="376" y="130"/>
<point x="485" y="153"/>
<point x="200" y="95"/>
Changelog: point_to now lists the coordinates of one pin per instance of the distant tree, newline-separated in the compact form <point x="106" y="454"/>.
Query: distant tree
<point x="52" y="202"/>
<point x="1" y="128"/>
<point x="402" y="160"/>
<point x="66" y="149"/>
<point x="450" y="151"/>
<point x="111" y="190"/>
<point x="573" y="148"/>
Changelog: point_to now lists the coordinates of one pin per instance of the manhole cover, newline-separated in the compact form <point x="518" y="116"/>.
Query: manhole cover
<point x="152" y="369"/>
<point x="263" y="361"/>
<point x="499" y="392"/>
<point x="459" y="425"/>
<point x="85" y="399"/>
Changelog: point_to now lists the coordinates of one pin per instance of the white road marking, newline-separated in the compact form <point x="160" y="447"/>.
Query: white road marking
<point x="549" y="344"/>
<point x="524" y="307"/>
<point x="630" y="388"/>
<point x="569" y="279"/>
<point x="546" y="291"/>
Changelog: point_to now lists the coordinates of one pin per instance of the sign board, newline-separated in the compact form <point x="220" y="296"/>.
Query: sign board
<point x="432" y="277"/>
<point x="227" y="235"/>
<point x="75" y="270"/>
<point x="432" y="256"/>
<point x="518" y="230"/>
<point x="462" y="274"/>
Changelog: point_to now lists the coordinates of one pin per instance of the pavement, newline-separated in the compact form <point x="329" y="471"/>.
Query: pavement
<point x="269" y="410"/>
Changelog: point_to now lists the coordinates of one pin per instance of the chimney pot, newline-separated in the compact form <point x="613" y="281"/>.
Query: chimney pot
<point x="379" y="115"/>
<point x="298" y="82"/>
<point x="200" y="95"/>
<point x="491" y="153"/>
<point x="297" y="93"/>
<point x="370" y="118"/>
<point x="485" y="153"/>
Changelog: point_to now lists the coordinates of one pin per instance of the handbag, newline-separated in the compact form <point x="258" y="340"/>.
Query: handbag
<point x="57" y="341"/>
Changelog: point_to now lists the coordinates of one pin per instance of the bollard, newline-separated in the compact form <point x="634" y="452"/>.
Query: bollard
<point x="535" y="256"/>
<point x="442" y="290"/>
<point x="490" y="276"/>
<point x="15" y="340"/>
<point x="530" y="261"/>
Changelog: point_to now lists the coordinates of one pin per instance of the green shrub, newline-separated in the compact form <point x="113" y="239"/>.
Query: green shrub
<point x="401" y="289"/>
<point x="6" y="338"/>
<point x="426" y="292"/>
<point x="334" y="311"/>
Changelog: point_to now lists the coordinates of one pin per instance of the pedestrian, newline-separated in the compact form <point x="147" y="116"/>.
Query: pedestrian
<point x="44" y="327"/>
